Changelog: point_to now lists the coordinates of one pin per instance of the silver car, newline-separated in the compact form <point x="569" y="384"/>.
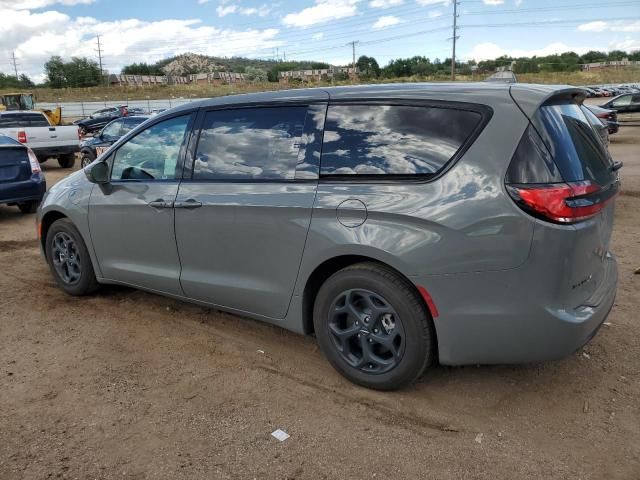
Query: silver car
<point x="402" y="225"/>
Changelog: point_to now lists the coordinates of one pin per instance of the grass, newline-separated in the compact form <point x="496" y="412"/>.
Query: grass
<point x="107" y="94"/>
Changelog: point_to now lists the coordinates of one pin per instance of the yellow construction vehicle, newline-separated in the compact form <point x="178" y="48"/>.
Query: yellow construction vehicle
<point x="24" y="101"/>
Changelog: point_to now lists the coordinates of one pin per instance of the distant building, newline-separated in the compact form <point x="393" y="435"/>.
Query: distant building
<point x="213" y="78"/>
<point x="217" y="78"/>
<point x="138" y="80"/>
<point x="316" y="75"/>
<point x="597" y="66"/>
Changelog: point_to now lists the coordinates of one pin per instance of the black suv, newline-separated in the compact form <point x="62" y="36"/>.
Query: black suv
<point x="98" y="119"/>
<point x="93" y="147"/>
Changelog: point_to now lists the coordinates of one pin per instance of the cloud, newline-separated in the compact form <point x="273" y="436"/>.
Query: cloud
<point x="619" y="26"/>
<point x="425" y="3"/>
<point x="629" y="44"/>
<point x="322" y="11"/>
<point x="385" y="3"/>
<point x="488" y="51"/>
<point x="37" y="4"/>
<point x="386" y="21"/>
<point x="493" y="2"/>
<point x="36" y="36"/>
<point x="317" y="36"/>
<point x="224" y="10"/>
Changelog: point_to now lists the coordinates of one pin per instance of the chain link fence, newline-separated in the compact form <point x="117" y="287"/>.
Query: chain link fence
<point x="74" y="110"/>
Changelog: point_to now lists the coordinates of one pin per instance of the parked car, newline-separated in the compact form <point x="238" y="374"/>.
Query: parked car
<point x="136" y="111"/>
<point x="98" y="119"/>
<point x="92" y="147"/>
<point x="600" y="126"/>
<point x="46" y="141"/>
<point x="402" y="224"/>
<point x="21" y="181"/>
<point x="610" y="117"/>
<point x="627" y="106"/>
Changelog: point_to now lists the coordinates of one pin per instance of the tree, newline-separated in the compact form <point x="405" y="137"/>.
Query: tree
<point x="142" y="69"/>
<point x="256" y="75"/>
<point x="26" y="82"/>
<point x="368" y="67"/>
<point x="55" y="72"/>
<point x="9" y="81"/>
<point x="79" y="72"/>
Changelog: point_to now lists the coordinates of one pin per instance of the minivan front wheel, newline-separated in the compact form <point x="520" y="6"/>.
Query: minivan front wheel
<point x="373" y="327"/>
<point x="69" y="259"/>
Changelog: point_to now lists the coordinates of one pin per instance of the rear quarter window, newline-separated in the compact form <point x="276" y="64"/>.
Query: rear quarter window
<point x="372" y="140"/>
<point x="574" y="144"/>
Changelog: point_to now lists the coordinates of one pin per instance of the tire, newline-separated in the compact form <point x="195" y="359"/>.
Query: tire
<point x="401" y="314"/>
<point x="67" y="161"/>
<point x="80" y="280"/>
<point x="29" y="207"/>
<point x="85" y="159"/>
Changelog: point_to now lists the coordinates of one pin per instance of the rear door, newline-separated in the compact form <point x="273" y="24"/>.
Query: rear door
<point x="243" y="213"/>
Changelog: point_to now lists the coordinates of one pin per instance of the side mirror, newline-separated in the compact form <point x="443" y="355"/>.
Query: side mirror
<point x="97" y="173"/>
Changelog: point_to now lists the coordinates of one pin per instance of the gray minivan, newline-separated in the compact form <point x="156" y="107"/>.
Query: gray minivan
<point x="401" y="224"/>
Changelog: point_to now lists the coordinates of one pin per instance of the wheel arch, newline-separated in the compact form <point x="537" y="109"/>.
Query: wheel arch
<point x="334" y="264"/>
<point x="45" y="224"/>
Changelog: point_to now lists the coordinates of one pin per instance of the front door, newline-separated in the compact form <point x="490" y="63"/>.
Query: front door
<point x="243" y="217"/>
<point x="132" y="219"/>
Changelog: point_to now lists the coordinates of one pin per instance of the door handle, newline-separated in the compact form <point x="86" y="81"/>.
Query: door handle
<point x="190" y="203"/>
<point x="160" y="204"/>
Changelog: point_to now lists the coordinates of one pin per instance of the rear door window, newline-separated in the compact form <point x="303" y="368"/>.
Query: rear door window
<point x="574" y="144"/>
<point x="368" y="140"/>
<point x="250" y="144"/>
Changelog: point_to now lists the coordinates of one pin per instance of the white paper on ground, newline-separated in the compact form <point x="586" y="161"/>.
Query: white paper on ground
<point x="280" y="435"/>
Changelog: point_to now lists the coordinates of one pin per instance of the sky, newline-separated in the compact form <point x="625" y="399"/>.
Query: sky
<point x="150" y="30"/>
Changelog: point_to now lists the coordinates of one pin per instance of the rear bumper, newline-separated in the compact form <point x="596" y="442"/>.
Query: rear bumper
<point x="23" y="191"/>
<point x="613" y="127"/>
<point x="493" y="318"/>
<point x="55" y="151"/>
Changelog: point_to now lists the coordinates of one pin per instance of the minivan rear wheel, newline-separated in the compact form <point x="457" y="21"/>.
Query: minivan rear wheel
<point x="69" y="260"/>
<point x="373" y="327"/>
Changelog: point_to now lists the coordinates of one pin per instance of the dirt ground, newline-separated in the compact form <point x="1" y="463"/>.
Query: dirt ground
<point x="125" y="384"/>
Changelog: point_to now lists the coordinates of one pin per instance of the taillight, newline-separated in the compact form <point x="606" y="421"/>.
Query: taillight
<point x="602" y="115"/>
<point x="564" y="202"/>
<point x="79" y="135"/>
<point x="535" y="183"/>
<point x="22" y="136"/>
<point x="33" y="160"/>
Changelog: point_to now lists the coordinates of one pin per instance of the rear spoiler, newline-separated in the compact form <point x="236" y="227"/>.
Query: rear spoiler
<point x="531" y="97"/>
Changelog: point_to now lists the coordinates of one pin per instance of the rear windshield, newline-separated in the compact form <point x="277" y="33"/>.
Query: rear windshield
<point x="574" y="144"/>
<point x="12" y="156"/>
<point x="14" y="120"/>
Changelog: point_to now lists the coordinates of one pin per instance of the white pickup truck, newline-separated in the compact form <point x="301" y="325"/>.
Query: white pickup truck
<point x="33" y="130"/>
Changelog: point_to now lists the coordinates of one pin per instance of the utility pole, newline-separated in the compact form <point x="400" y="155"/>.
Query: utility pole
<point x="353" y="65"/>
<point x="99" y="50"/>
<point x="14" y="63"/>
<point x="454" y="38"/>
